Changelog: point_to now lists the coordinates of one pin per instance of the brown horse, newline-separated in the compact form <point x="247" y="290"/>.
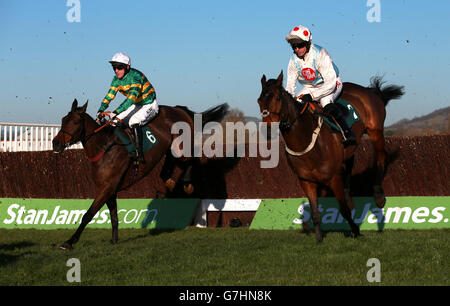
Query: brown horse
<point x="112" y="166"/>
<point x="316" y="153"/>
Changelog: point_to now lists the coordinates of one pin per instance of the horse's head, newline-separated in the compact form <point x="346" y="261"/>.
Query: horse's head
<point x="72" y="128"/>
<point x="269" y="101"/>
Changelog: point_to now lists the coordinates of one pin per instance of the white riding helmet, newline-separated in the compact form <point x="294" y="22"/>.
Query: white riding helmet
<point x="299" y="34"/>
<point x="120" y="58"/>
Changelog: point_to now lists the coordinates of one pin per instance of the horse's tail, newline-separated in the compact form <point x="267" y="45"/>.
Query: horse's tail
<point x="215" y="113"/>
<point x="386" y="93"/>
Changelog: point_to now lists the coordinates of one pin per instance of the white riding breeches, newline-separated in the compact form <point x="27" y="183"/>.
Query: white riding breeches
<point x="139" y="114"/>
<point x="333" y="96"/>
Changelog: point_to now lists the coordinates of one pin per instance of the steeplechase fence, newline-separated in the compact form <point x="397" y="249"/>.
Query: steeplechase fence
<point x="20" y="137"/>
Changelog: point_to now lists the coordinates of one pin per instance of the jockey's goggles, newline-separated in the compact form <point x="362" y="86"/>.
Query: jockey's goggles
<point x="119" y="66"/>
<point x="299" y="45"/>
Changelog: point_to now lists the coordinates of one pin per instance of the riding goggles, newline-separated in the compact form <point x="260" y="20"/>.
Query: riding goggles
<point x="299" y="45"/>
<point x="119" y="67"/>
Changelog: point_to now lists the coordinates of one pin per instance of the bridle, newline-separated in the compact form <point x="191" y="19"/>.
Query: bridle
<point x="285" y="123"/>
<point x="87" y="137"/>
<point x="82" y="132"/>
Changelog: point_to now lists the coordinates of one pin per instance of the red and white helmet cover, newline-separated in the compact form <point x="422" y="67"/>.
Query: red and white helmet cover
<point x="299" y="33"/>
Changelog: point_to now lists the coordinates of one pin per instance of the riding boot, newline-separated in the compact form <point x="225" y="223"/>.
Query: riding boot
<point x="332" y="110"/>
<point x="138" y="143"/>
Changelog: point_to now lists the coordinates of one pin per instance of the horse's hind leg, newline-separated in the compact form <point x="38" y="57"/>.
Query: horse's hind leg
<point x="377" y="138"/>
<point x="338" y="188"/>
<point x="112" y="206"/>
<point x="347" y="178"/>
<point x="311" y="192"/>
<point x="187" y="180"/>
<point x="170" y="172"/>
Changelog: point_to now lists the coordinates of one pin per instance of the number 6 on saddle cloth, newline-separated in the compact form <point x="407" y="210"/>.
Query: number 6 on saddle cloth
<point x="349" y="112"/>
<point x="149" y="140"/>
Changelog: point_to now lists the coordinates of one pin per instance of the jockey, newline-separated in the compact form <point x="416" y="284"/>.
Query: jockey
<point x="140" y="105"/>
<point x="313" y="67"/>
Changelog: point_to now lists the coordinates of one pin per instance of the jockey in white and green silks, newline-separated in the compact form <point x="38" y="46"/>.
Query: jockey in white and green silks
<point x="140" y="105"/>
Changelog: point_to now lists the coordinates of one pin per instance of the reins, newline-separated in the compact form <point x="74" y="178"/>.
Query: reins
<point x="87" y="137"/>
<point x="311" y="144"/>
<point x="312" y="108"/>
<point x="107" y="123"/>
<point x="286" y="124"/>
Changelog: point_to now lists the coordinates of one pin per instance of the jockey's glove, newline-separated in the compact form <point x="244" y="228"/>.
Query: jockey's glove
<point x="100" y="118"/>
<point x="116" y="121"/>
<point x="306" y="98"/>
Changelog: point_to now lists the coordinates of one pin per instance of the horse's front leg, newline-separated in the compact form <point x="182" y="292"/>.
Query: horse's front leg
<point x="99" y="201"/>
<point x="112" y="206"/>
<point x="311" y="192"/>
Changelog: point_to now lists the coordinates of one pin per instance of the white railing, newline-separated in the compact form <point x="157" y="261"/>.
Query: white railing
<point x="16" y="137"/>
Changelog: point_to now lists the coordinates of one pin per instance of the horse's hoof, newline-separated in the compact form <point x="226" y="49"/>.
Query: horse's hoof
<point x="66" y="246"/>
<point x="114" y="241"/>
<point x="319" y="237"/>
<point x="306" y="228"/>
<point x="170" y="184"/>
<point x="189" y="189"/>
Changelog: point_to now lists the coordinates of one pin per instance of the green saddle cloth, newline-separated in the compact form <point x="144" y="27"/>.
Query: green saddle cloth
<point x="149" y="139"/>
<point x="351" y="116"/>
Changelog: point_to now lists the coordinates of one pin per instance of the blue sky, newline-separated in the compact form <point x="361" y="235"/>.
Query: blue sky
<point x="202" y="53"/>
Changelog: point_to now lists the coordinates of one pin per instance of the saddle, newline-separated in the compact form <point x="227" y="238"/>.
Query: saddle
<point x="126" y="137"/>
<point x="346" y="109"/>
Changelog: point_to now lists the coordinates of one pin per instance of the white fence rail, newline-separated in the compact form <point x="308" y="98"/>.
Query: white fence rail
<point x="17" y="137"/>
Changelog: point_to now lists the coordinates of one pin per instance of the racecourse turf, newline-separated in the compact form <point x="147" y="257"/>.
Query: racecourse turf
<point x="225" y="257"/>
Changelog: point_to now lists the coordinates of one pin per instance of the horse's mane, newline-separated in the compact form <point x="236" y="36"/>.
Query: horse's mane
<point x="285" y="95"/>
<point x="108" y="130"/>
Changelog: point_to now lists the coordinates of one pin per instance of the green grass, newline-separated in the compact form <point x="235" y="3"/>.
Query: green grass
<point x="226" y="257"/>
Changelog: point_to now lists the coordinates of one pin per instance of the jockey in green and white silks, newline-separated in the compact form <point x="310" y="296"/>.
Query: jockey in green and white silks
<point x="140" y="105"/>
<point x="312" y="66"/>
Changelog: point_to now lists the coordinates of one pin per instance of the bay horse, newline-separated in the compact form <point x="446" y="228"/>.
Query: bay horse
<point x="316" y="154"/>
<point x="113" y="168"/>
